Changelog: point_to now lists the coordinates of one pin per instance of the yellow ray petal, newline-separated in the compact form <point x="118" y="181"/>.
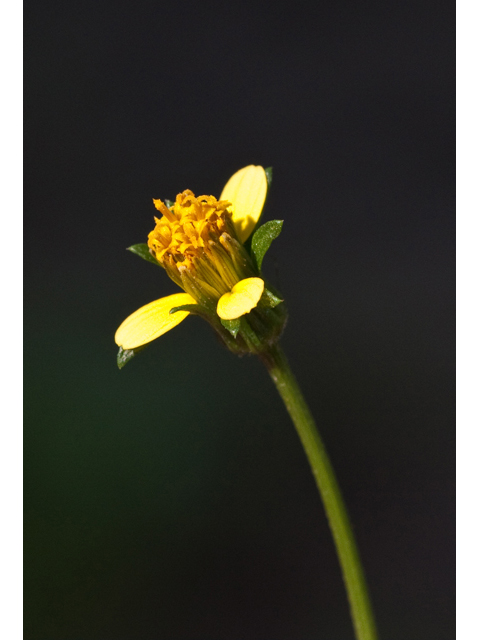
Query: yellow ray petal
<point x="246" y="190"/>
<point x="152" y="320"/>
<point x="243" y="297"/>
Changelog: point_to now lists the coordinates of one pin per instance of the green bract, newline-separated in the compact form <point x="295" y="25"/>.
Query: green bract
<point x="263" y="238"/>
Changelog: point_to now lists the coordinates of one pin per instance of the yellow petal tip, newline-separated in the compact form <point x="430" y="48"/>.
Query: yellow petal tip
<point x="246" y="190"/>
<point x="151" y="321"/>
<point x="243" y="297"/>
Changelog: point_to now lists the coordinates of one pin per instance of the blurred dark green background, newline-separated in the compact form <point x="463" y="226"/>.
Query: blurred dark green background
<point x="172" y="500"/>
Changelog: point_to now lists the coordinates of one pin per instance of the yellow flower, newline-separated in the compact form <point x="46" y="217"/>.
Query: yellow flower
<point x="199" y="241"/>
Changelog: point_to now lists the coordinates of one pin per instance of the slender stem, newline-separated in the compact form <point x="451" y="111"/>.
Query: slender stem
<point x="353" y="576"/>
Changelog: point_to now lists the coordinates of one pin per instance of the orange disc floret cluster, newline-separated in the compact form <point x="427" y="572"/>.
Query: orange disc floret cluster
<point x="185" y="229"/>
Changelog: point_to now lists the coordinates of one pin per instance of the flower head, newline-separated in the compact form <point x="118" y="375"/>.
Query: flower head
<point x="195" y="242"/>
<point x="199" y="241"/>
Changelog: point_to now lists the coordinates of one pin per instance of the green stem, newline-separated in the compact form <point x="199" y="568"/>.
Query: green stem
<point x="360" y="607"/>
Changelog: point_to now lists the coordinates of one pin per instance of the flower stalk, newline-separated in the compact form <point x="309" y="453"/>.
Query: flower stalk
<point x="353" y="575"/>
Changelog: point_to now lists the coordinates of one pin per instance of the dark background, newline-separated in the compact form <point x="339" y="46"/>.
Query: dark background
<point x="172" y="500"/>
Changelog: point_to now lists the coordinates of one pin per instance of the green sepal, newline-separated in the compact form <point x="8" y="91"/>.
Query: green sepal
<point x="196" y="309"/>
<point x="269" y="174"/>
<point x="233" y="326"/>
<point x="269" y="299"/>
<point x="169" y="203"/>
<point x="143" y="251"/>
<point x="263" y="238"/>
<point x="125" y="355"/>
